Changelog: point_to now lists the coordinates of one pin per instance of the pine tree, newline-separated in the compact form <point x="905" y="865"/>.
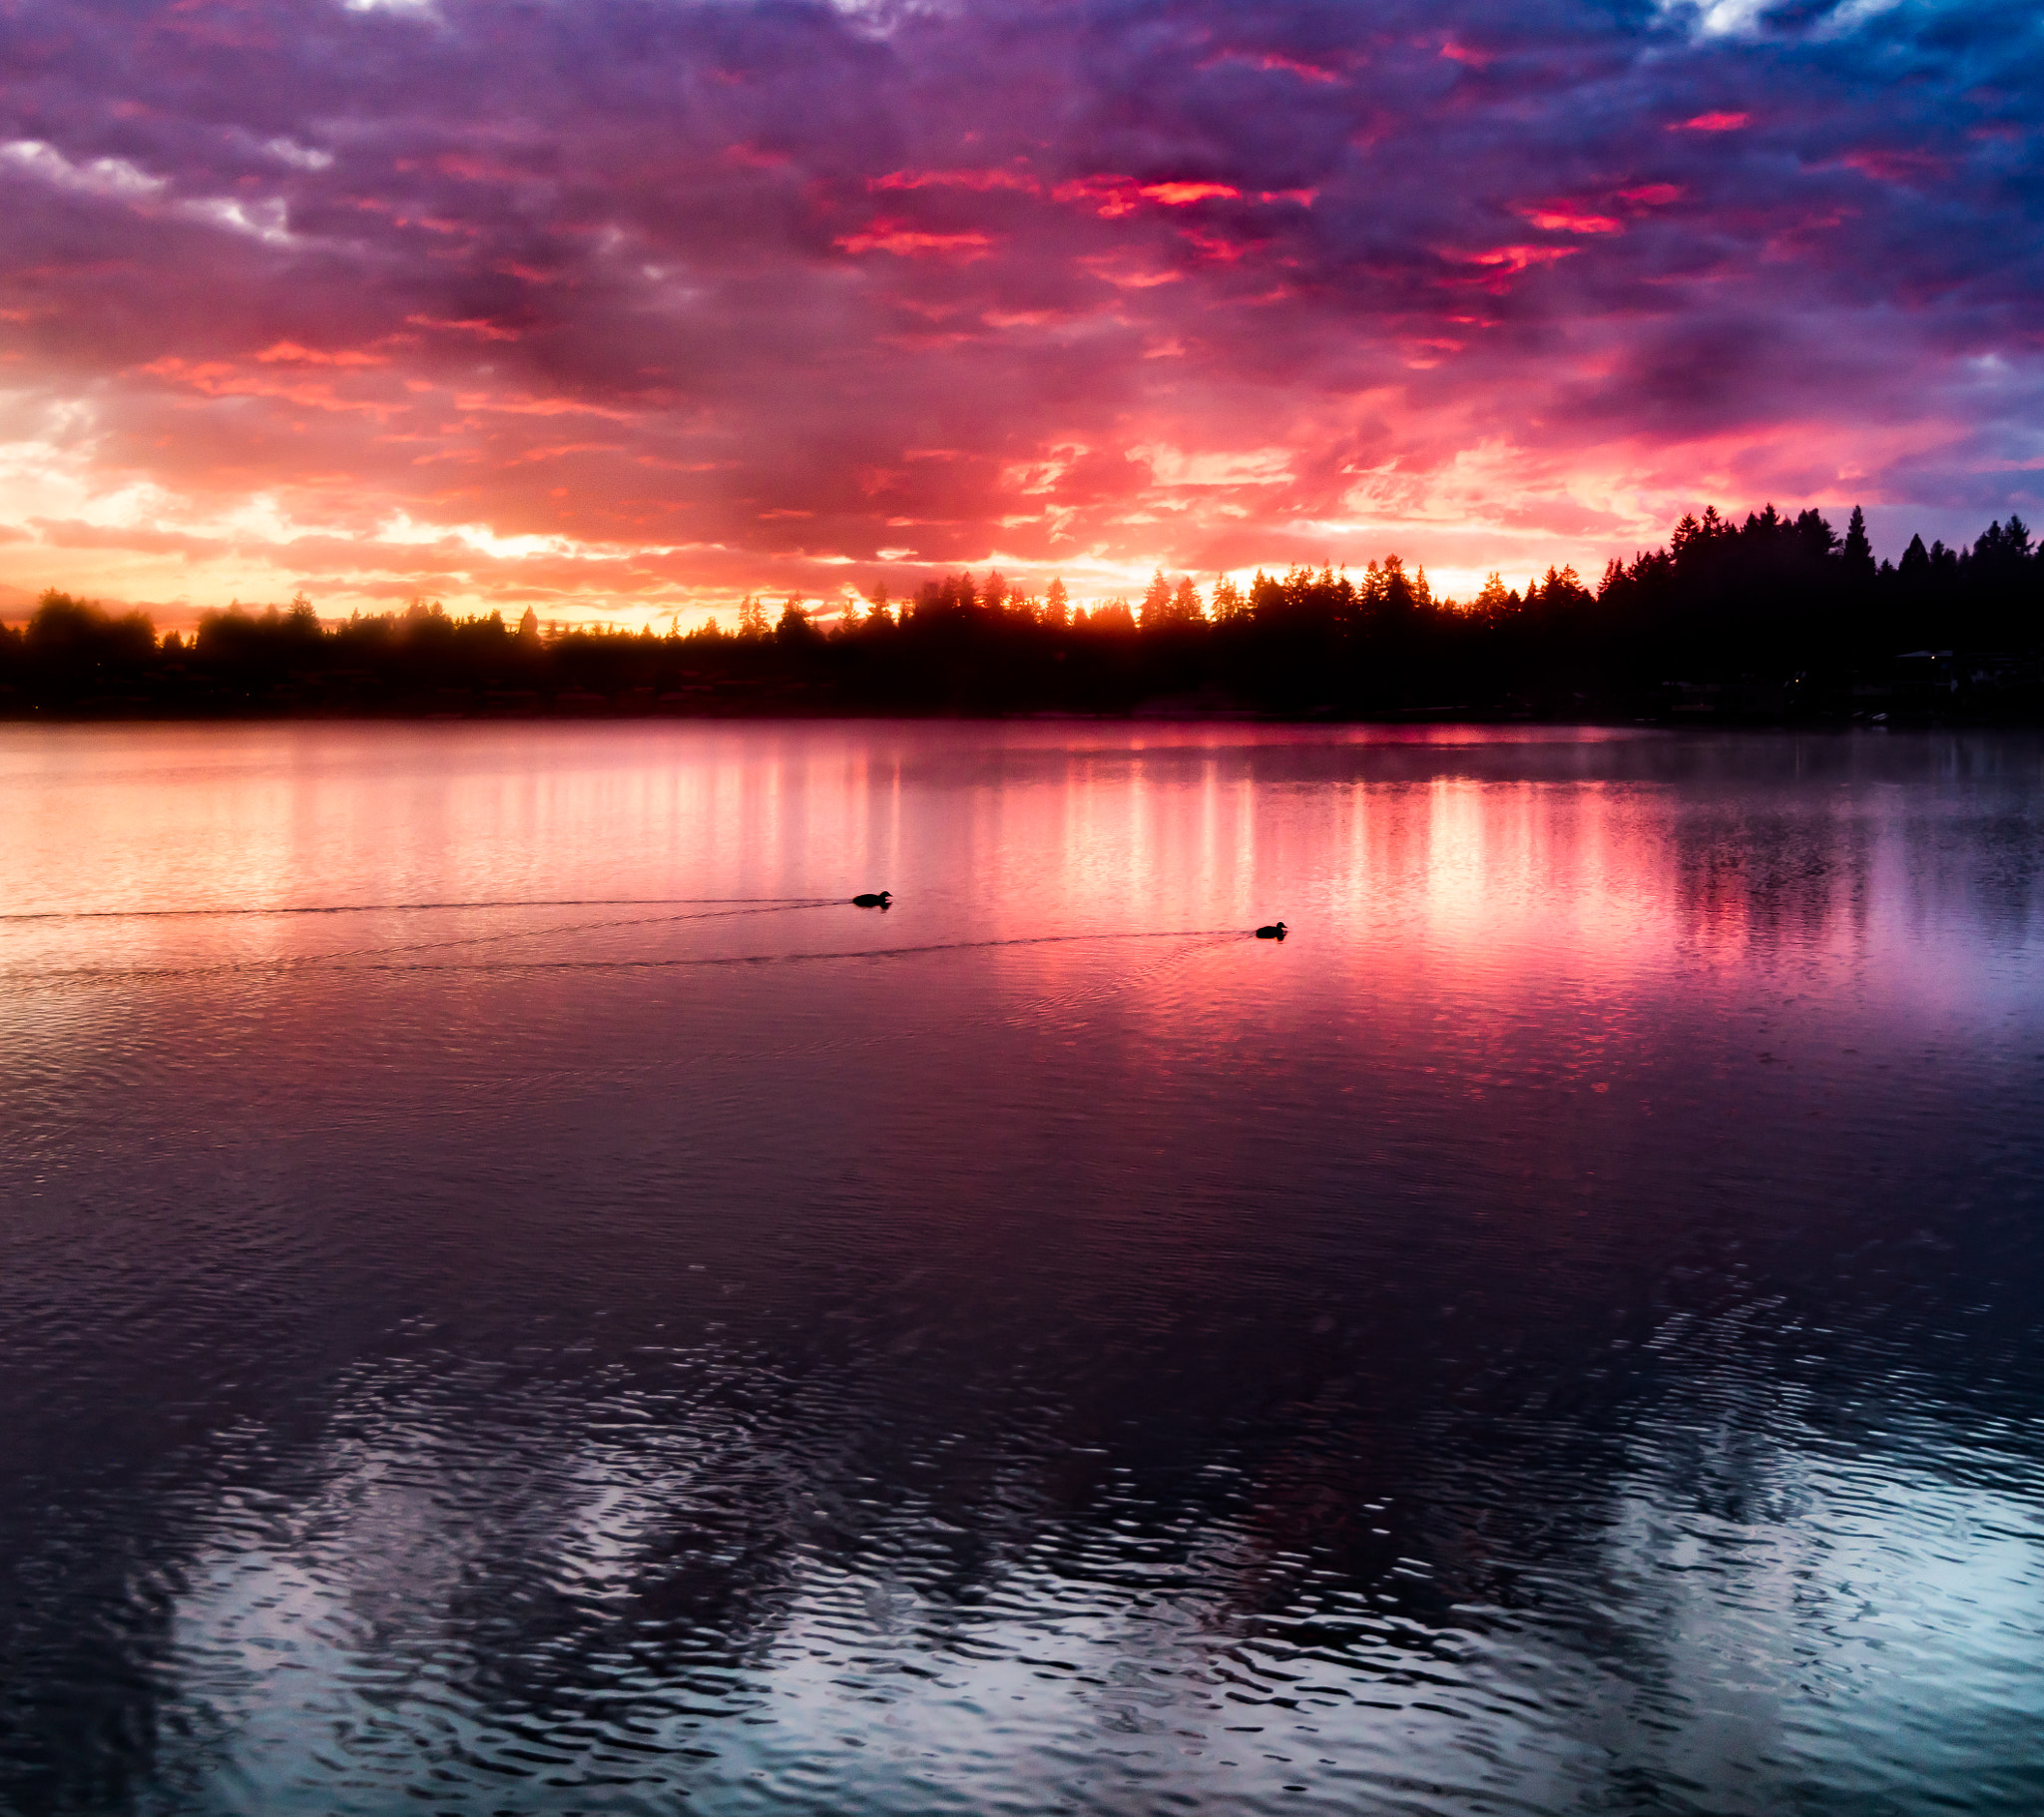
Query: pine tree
<point x="1855" y="557"/>
<point x="1156" y="603"/>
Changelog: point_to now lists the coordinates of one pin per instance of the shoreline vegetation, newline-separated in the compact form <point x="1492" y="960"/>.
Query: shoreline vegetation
<point x="1772" y="620"/>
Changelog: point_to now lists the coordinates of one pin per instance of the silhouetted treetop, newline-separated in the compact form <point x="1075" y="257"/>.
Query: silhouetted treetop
<point x="1780" y="613"/>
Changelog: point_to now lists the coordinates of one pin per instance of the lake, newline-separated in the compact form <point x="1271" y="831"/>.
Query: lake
<point x="516" y="1297"/>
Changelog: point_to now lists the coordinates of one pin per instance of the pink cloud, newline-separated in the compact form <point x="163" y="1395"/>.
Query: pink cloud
<point x="911" y="243"/>
<point x="476" y="325"/>
<point x="288" y="351"/>
<point x="1276" y="61"/>
<point x="1509" y="262"/>
<point x="1563" y="219"/>
<point x="955" y="180"/>
<point x="1895" y="165"/>
<point x="1182" y="195"/>
<point x="1109" y="196"/>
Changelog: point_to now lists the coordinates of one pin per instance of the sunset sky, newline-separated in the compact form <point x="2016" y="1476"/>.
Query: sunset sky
<point x="624" y="307"/>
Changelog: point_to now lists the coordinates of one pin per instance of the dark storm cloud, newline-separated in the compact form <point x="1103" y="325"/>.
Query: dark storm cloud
<point x="740" y="291"/>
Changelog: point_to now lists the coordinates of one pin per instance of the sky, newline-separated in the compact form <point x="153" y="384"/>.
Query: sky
<point x="623" y="308"/>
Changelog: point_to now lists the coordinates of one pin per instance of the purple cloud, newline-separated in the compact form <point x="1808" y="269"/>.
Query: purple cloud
<point x="655" y="302"/>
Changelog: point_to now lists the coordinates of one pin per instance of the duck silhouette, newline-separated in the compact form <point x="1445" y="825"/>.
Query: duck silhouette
<point x="876" y="899"/>
<point x="1275" y="931"/>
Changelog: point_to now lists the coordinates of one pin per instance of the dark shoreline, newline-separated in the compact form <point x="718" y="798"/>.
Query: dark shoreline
<point x="125" y="712"/>
<point x="1771" y="623"/>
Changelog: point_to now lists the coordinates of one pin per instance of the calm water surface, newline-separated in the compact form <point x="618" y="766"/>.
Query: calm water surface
<point x="514" y="1297"/>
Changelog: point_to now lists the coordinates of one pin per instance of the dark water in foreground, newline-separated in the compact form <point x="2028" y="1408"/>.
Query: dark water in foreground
<point x="1561" y="1333"/>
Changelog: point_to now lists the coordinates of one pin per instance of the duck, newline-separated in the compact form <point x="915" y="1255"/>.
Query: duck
<point x="875" y="899"/>
<point x="1275" y="931"/>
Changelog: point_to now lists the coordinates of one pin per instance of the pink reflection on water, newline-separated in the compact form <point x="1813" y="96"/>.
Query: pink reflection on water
<point x="1465" y="859"/>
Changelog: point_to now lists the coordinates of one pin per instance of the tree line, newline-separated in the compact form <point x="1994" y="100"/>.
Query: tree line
<point x="1772" y="618"/>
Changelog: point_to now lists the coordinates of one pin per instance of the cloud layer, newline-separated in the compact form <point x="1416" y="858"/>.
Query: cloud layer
<point x="628" y="305"/>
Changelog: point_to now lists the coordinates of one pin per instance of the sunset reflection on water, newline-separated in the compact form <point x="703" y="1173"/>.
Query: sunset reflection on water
<point x="513" y="1288"/>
